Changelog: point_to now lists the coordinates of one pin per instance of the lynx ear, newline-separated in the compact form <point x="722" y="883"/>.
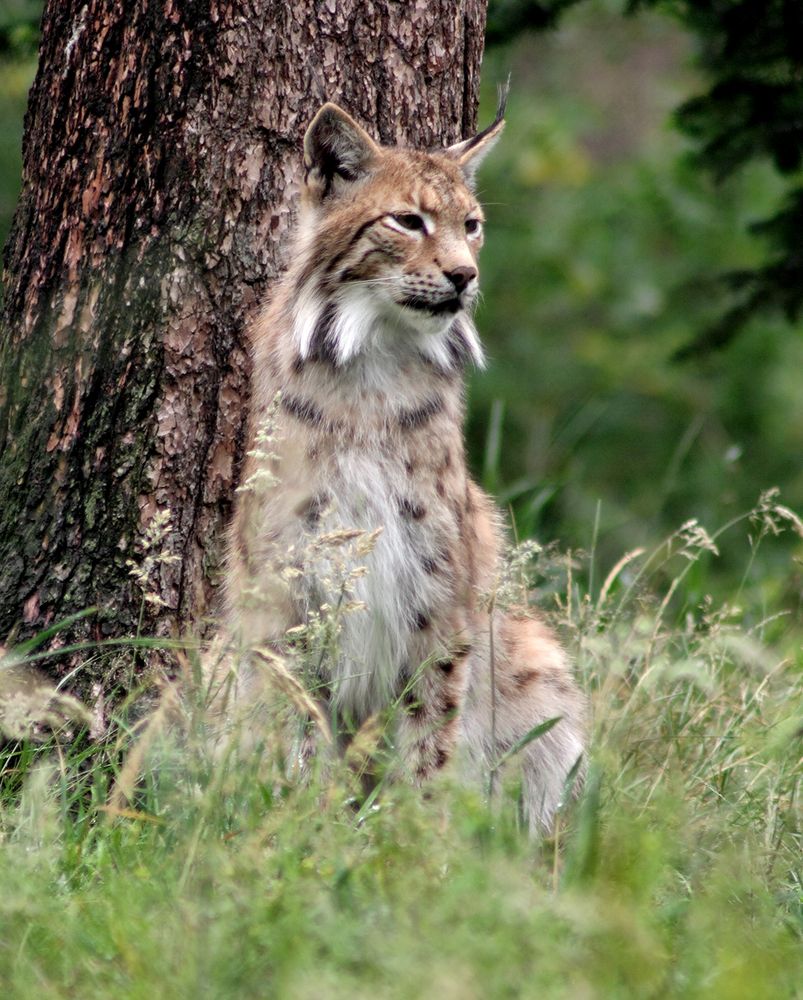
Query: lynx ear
<point x="471" y="152"/>
<point x="336" y="151"/>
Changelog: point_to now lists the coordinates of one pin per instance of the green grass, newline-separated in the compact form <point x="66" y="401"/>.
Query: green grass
<point x="677" y="874"/>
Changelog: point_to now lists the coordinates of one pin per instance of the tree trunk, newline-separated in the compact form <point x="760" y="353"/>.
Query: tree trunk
<point x="161" y="158"/>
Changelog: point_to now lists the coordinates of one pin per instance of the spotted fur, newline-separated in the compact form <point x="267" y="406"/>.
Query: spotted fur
<point x="366" y="339"/>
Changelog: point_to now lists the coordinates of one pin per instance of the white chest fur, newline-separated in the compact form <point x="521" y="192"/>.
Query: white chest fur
<point x="368" y="489"/>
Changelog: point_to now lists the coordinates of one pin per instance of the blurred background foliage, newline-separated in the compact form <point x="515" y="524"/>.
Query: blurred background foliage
<point x="625" y="395"/>
<point x="641" y="313"/>
<point x="19" y="37"/>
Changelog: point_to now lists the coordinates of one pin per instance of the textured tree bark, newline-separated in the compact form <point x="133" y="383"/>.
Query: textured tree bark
<point x="161" y="158"/>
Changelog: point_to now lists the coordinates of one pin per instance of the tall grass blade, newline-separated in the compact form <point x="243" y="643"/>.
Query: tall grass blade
<point x="535" y="733"/>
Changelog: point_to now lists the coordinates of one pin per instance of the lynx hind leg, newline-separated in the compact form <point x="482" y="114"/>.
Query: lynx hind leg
<point x="533" y="684"/>
<point x="427" y="728"/>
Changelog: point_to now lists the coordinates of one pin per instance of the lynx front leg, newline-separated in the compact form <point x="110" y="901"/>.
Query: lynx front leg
<point x="533" y="684"/>
<point x="428" y="725"/>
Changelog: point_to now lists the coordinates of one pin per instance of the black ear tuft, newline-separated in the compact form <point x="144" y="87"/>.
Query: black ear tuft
<point x="502" y="94"/>
<point x="337" y="151"/>
<point x="471" y="152"/>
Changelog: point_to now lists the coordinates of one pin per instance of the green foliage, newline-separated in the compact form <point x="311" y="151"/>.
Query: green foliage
<point x="753" y="53"/>
<point x="601" y="240"/>
<point x="677" y="874"/>
<point x="751" y="111"/>
<point x="507" y="18"/>
<point x="19" y="37"/>
<point x="19" y="27"/>
<point x="16" y="75"/>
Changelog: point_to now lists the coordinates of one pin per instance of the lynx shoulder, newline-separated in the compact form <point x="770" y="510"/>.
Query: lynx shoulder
<point x="356" y="491"/>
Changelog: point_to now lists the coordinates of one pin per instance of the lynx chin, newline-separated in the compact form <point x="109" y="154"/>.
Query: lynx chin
<point x="359" y="542"/>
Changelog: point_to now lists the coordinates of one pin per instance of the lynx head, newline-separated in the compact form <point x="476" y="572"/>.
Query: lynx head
<point x="390" y="239"/>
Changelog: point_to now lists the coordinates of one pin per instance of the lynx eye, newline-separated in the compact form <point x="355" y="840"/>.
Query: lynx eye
<point x="410" y="221"/>
<point x="473" y="226"/>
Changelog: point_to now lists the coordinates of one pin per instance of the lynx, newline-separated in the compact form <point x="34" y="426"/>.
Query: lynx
<point x="358" y="364"/>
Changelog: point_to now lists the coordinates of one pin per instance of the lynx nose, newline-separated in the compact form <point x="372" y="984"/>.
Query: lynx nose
<point x="461" y="276"/>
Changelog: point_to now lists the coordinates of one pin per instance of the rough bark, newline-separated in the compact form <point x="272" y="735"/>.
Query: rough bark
<point x="161" y="158"/>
